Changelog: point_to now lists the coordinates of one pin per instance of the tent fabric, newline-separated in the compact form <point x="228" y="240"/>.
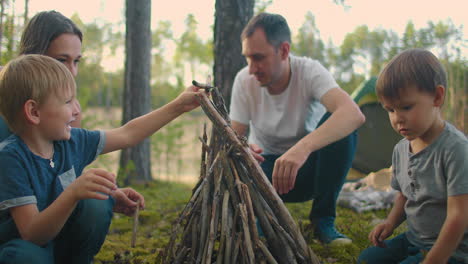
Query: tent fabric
<point x="376" y="137"/>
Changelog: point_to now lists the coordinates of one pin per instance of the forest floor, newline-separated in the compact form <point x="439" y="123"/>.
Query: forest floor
<point x="175" y="172"/>
<point x="165" y="200"/>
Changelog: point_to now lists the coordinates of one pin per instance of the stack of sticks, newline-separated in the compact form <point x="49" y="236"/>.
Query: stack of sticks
<point x="231" y="202"/>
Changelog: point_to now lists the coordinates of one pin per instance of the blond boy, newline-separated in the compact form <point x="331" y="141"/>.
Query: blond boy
<point x="42" y="184"/>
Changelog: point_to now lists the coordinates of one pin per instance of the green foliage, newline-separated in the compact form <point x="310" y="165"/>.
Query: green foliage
<point x="261" y="5"/>
<point x="125" y="173"/>
<point x="308" y="42"/>
<point x="192" y="49"/>
<point x="164" y="202"/>
<point x="364" y="52"/>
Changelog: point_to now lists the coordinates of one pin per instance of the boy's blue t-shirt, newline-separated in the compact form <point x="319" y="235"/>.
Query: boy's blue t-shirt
<point x="4" y="131"/>
<point x="27" y="178"/>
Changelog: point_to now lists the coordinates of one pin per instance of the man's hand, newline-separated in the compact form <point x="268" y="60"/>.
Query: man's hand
<point x="126" y="201"/>
<point x="286" y="168"/>
<point x="256" y="151"/>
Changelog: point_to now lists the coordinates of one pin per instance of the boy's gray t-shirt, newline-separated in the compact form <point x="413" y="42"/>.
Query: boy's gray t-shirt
<point x="427" y="179"/>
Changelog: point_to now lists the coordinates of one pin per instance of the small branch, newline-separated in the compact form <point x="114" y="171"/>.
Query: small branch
<point x="135" y="224"/>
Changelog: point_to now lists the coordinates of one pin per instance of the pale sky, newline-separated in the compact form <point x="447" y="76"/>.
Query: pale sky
<point x="333" y="21"/>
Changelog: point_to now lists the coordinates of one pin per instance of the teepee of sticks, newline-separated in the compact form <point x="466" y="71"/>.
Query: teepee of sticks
<point x="231" y="199"/>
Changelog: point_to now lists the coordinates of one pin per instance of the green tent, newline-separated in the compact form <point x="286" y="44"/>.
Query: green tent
<point x="376" y="138"/>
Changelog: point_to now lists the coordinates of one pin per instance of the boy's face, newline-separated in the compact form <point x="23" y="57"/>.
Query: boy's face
<point x="413" y="114"/>
<point x="56" y="115"/>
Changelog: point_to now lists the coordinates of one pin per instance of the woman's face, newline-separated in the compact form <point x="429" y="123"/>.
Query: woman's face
<point x="66" y="48"/>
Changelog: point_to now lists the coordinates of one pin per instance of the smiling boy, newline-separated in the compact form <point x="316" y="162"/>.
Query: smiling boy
<point x="41" y="191"/>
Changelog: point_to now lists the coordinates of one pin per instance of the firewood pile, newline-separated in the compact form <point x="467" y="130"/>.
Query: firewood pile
<point x="232" y="199"/>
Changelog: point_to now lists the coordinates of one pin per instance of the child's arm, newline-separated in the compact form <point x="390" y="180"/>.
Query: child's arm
<point x="142" y="127"/>
<point x="452" y="231"/>
<point x="394" y="219"/>
<point x="41" y="227"/>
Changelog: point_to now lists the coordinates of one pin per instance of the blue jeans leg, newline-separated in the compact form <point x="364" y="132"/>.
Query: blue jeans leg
<point x="322" y="175"/>
<point x="85" y="231"/>
<point x="18" y="251"/>
<point x="398" y="249"/>
<point x="331" y="168"/>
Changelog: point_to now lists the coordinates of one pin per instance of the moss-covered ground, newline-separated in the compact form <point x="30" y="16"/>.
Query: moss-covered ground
<point x="165" y="200"/>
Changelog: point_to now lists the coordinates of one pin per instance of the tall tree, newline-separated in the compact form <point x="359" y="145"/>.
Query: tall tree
<point x="26" y="12"/>
<point x="191" y="48"/>
<point x="135" y="162"/>
<point x="230" y="18"/>
<point x="309" y="43"/>
<point x="2" y="14"/>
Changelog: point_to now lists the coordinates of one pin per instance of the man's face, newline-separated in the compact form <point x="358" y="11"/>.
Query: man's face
<point x="263" y="59"/>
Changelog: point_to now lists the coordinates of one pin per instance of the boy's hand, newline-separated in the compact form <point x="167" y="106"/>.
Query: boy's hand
<point x="187" y="100"/>
<point x="126" y="201"/>
<point x="380" y="233"/>
<point x="93" y="184"/>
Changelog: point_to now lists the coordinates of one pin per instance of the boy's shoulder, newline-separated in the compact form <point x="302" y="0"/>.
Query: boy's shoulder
<point x="451" y="137"/>
<point x="11" y="144"/>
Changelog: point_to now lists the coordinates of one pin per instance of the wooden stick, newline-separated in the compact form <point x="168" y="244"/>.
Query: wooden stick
<point x="255" y="170"/>
<point x="135" y="224"/>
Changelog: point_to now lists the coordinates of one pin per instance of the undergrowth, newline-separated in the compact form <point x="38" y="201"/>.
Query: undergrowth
<point x="165" y="200"/>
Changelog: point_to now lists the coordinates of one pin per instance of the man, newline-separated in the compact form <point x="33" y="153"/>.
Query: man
<point x="302" y="125"/>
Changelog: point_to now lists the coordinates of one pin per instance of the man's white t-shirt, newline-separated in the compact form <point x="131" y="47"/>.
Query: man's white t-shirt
<point x="277" y="122"/>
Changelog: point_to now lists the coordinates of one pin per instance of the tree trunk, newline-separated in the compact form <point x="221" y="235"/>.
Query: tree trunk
<point x="135" y="162"/>
<point x="2" y="14"/>
<point x="230" y="18"/>
<point x="26" y="12"/>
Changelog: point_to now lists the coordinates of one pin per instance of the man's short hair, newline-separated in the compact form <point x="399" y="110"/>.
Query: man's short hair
<point x="33" y="77"/>
<point x="275" y="27"/>
<point x="412" y="67"/>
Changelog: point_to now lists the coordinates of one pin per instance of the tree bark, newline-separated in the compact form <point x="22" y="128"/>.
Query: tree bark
<point x="2" y="14"/>
<point x="26" y="12"/>
<point x="231" y="16"/>
<point x="135" y="162"/>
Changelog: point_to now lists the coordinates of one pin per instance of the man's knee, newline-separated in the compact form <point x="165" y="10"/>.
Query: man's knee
<point x="19" y="251"/>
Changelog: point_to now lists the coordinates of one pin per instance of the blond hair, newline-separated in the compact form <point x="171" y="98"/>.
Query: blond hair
<point x="31" y="77"/>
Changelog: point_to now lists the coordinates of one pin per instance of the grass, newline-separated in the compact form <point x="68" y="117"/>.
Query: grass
<point x="165" y="200"/>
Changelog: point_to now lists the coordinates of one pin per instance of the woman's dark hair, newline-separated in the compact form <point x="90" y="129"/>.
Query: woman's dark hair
<point x="42" y="29"/>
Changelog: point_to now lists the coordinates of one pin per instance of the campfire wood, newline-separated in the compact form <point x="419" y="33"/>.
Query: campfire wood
<point x="233" y="197"/>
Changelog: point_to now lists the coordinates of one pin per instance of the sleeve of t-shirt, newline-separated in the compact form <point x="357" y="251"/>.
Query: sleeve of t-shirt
<point x="4" y="131"/>
<point x="15" y="187"/>
<point x="457" y="169"/>
<point x="88" y="144"/>
<point x="239" y="109"/>
<point x="321" y="80"/>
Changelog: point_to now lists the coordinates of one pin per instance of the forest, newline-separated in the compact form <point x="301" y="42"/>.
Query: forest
<point x="360" y="56"/>
<point x="175" y="149"/>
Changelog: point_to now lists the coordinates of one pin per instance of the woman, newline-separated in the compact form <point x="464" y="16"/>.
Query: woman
<point x="52" y="34"/>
